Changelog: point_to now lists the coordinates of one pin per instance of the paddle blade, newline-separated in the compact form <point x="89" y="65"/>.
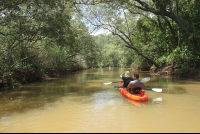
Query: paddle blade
<point x="146" y="79"/>
<point x="157" y="89"/>
<point x="107" y="83"/>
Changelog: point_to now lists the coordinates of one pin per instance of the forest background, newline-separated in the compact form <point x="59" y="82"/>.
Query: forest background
<point x="40" y="38"/>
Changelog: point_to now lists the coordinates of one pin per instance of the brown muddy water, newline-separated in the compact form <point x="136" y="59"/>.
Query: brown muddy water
<point x="80" y="102"/>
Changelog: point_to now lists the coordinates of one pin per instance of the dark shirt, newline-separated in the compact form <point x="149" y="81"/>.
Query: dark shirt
<point x="126" y="81"/>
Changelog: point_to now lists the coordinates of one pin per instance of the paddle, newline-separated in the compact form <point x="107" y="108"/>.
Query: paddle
<point x="144" y="80"/>
<point x="154" y="89"/>
<point x="111" y="82"/>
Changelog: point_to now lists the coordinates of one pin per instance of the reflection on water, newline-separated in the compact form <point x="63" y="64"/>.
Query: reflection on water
<point x="80" y="102"/>
<point x="44" y="93"/>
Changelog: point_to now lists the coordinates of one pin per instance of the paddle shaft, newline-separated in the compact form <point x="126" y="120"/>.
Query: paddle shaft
<point x="117" y="81"/>
<point x="144" y="80"/>
<point x="153" y="89"/>
<point x="126" y="87"/>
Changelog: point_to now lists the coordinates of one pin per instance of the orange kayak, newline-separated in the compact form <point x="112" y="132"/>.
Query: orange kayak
<point x="142" y="97"/>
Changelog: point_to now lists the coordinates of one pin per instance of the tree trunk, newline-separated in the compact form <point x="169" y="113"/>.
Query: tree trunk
<point x="141" y="54"/>
<point x="130" y="44"/>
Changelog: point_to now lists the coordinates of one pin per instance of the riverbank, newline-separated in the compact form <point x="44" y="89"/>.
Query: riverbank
<point x="171" y="69"/>
<point x="19" y="77"/>
<point x="167" y="69"/>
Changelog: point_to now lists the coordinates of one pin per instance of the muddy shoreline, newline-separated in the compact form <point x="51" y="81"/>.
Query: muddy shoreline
<point x="21" y="77"/>
<point x="171" y="69"/>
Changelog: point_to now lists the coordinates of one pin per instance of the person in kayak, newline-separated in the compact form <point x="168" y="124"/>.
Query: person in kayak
<point x="126" y="79"/>
<point x="136" y="85"/>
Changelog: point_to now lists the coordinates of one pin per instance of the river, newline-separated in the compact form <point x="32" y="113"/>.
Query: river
<point x="80" y="102"/>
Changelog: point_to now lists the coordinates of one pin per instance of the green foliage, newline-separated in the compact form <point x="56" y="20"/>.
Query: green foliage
<point x="39" y="35"/>
<point x="112" y="51"/>
<point x="35" y="35"/>
<point x="170" y="35"/>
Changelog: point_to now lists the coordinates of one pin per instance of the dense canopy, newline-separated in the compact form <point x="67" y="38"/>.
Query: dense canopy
<point x="36" y="35"/>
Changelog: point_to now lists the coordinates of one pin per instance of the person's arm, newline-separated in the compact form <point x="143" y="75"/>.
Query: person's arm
<point x="122" y="75"/>
<point x="129" y="87"/>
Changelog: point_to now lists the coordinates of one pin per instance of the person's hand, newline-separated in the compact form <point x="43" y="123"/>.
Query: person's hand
<point x="122" y="74"/>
